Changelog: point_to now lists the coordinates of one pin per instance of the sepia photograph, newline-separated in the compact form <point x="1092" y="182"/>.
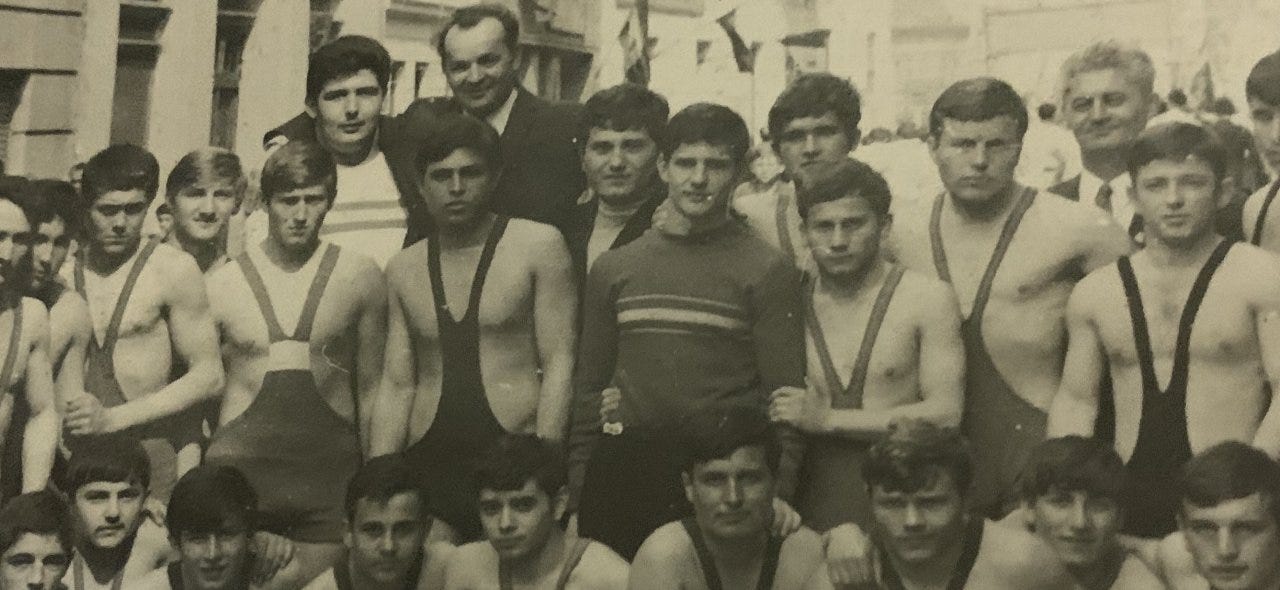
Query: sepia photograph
<point x="639" y="294"/>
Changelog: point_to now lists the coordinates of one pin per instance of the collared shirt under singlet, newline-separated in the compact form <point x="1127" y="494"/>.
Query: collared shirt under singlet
<point x="1002" y="428"/>
<point x="833" y="491"/>
<point x="464" y="424"/>
<point x="972" y="543"/>
<point x="161" y="438"/>
<point x="570" y="563"/>
<point x="293" y="447"/>
<point x="1163" y="446"/>
<point x="768" y="568"/>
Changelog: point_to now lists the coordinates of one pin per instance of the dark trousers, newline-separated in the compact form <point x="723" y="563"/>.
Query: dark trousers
<point x="632" y="486"/>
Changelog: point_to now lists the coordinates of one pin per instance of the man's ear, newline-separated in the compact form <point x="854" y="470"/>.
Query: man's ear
<point x="560" y="503"/>
<point x="310" y="107"/>
<point x="855" y="140"/>
<point x="1028" y="516"/>
<point x="662" y="167"/>
<point x="1226" y="188"/>
<point x="688" y="486"/>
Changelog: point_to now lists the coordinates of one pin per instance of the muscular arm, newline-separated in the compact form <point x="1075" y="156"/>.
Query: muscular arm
<point x="778" y="336"/>
<point x="70" y="327"/>
<point x="371" y="329"/>
<point x="1103" y="240"/>
<point x="1075" y="406"/>
<point x="40" y="439"/>
<point x="597" y="356"/>
<point x="1267" y="321"/>
<point x="195" y="341"/>
<point x="390" y="429"/>
<point x="941" y="372"/>
<point x="554" y="323"/>
<point x="655" y="564"/>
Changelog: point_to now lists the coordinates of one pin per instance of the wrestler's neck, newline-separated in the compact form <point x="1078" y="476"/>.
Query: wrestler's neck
<point x="362" y="580"/>
<point x="456" y="236"/>
<point x="738" y="554"/>
<point x="353" y="154"/>
<point x="1102" y="574"/>
<point x="206" y="252"/>
<point x="105" y="263"/>
<point x="105" y="562"/>
<point x="289" y="258"/>
<point x="1189" y="253"/>
<point x="988" y="210"/>
<point x="937" y="571"/>
<point x="544" y="562"/>
<point x="847" y="287"/>
<point x="1106" y="164"/>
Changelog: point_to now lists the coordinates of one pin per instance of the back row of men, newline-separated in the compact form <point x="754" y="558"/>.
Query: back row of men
<point x="683" y="305"/>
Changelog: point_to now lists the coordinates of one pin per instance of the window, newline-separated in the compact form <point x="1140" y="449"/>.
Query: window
<point x="234" y="23"/>
<point x="136" y="50"/>
<point x="11" y="83"/>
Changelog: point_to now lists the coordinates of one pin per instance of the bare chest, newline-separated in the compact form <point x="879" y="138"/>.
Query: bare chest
<point x="1221" y="330"/>
<point x="499" y="300"/>
<point x="143" y="306"/>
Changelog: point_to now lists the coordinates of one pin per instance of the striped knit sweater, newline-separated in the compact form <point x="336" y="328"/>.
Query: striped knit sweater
<point x="680" y="322"/>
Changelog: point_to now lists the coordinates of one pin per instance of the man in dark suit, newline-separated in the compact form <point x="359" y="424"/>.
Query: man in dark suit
<point x="621" y="129"/>
<point x="1107" y="98"/>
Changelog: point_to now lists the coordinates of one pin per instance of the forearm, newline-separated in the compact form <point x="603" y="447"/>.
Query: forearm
<point x="1071" y="413"/>
<point x="554" y="398"/>
<point x="867" y="425"/>
<point x="39" y="444"/>
<point x="389" y="430"/>
<point x="204" y="380"/>
<point x="1267" y="438"/>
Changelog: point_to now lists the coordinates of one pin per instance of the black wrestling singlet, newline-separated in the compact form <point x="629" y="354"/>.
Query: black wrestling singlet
<point x="1262" y="213"/>
<point x="768" y="568"/>
<point x="566" y="570"/>
<point x="972" y="543"/>
<point x="464" y="425"/>
<point x="1163" y="446"/>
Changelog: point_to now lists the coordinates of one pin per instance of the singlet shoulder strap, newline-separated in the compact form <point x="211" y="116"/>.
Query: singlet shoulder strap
<point x="1002" y="247"/>
<point x="1258" y="225"/>
<point x="857" y="379"/>
<point x="175" y="576"/>
<point x="769" y="568"/>
<point x="302" y="332"/>
<point x="969" y="556"/>
<point x="15" y="342"/>
<point x="77" y="275"/>
<point x="783" y="224"/>
<point x="1137" y="317"/>
<point x="342" y="575"/>
<point x="575" y="556"/>
<point x="708" y="563"/>
<point x="117" y="315"/>
<point x="1182" y="353"/>
<point x="259" y="288"/>
<point x="482" y="269"/>
<point x="935" y="239"/>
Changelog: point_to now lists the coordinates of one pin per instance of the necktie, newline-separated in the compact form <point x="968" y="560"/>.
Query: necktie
<point x="1103" y="200"/>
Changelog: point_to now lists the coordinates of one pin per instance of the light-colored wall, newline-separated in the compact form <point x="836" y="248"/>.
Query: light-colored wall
<point x="40" y="141"/>
<point x="273" y="78"/>
<point x="96" y="79"/>
<point x="182" y="85"/>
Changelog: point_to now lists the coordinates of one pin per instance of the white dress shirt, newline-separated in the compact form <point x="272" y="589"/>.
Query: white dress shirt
<point x="1122" y="208"/>
<point x="498" y="119"/>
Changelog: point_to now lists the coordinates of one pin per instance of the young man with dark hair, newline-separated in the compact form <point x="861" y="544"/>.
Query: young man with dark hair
<point x="813" y="122"/>
<point x="1071" y="498"/>
<point x="211" y="520"/>
<point x="1174" y="389"/>
<point x="35" y="542"/>
<point x="522" y="499"/>
<point x="729" y="470"/>
<point x="917" y="478"/>
<point x="388" y="521"/>
<point x="54" y="210"/>
<point x="25" y="369"/>
<point x="1011" y="255"/>
<point x="148" y="311"/>
<point x="697" y="310"/>
<point x="203" y="191"/>
<point x="622" y="128"/>
<point x="1107" y="99"/>
<point x="487" y="349"/>
<point x="883" y="342"/>
<point x="304" y="363"/>
<point x="1262" y="89"/>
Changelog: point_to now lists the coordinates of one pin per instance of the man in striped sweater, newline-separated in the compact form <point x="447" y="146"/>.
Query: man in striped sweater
<point x="697" y="310"/>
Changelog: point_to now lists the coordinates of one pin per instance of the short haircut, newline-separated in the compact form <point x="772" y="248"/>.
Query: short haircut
<point x="1223" y="106"/>
<point x="14" y="188"/>
<point x="380" y="479"/>
<point x="714" y="124"/>
<point x="977" y="100"/>
<point x="209" y="496"/>
<point x="626" y="107"/>
<point x="846" y="177"/>
<point x="1263" y="82"/>
<point x="121" y="167"/>
<point x="117" y="460"/>
<point x="1071" y="464"/>
<point x="716" y="431"/>
<point x="297" y="165"/>
<point x="1230" y="471"/>
<point x="914" y="454"/>
<point x="1046" y="111"/>
<point x="48" y="199"/>
<point x="514" y="459"/>
<point x="35" y="513"/>
<point x="1177" y="97"/>
<point x="452" y="131"/>
<point x="208" y="163"/>
<point x="468" y="17"/>
<point x="1177" y="141"/>
<point x="344" y="57"/>
<point x="1133" y="63"/>
<point x="814" y="95"/>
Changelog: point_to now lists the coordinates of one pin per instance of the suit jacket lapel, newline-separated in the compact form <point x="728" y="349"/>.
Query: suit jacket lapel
<point x="513" y="137"/>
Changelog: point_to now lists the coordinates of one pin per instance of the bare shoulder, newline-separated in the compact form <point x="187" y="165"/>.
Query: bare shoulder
<point x="173" y="264"/>
<point x="399" y="271"/>
<point x="467" y="561"/>
<point x="1259" y="268"/>
<point x="537" y="236"/>
<point x="601" y="568"/>
<point x="1135" y="575"/>
<point x="932" y="297"/>
<point x="1074" y="218"/>
<point x="71" y="307"/>
<point x="34" y="314"/>
<point x="1099" y="286"/>
<point x="361" y="272"/>
<point x="156" y="580"/>
<point x="1019" y="555"/>
<point x="664" y="546"/>
<point x="325" y="581"/>
<point x="804" y="545"/>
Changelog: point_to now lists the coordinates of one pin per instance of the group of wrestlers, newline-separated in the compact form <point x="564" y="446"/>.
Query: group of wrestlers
<point x="643" y="382"/>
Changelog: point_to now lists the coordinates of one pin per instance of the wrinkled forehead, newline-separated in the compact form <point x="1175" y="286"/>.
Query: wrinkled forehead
<point x="467" y="44"/>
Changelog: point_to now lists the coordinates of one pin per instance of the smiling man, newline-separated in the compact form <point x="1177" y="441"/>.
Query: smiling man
<point x="697" y="310"/>
<point x="1011" y="255"/>
<point x="522" y="498"/>
<point x="1187" y="330"/>
<point x="204" y="189"/>
<point x="1262" y="88"/>
<point x="482" y="326"/>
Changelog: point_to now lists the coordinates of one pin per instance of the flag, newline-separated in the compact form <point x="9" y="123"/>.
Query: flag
<point x="742" y="54"/>
<point x="634" y="38"/>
